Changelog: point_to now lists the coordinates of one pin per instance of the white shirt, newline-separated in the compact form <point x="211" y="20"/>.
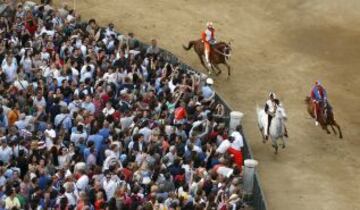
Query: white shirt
<point x="223" y="146"/>
<point x="62" y="159"/>
<point x="21" y="84"/>
<point x="109" y="160"/>
<point x="5" y="154"/>
<point x="75" y="137"/>
<point x="108" y="112"/>
<point x="41" y="102"/>
<point x="74" y="106"/>
<point x="10" y="70"/>
<point x="26" y="63"/>
<point x="146" y="132"/>
<point x="238" y="142"/>
<point x="208" y="35"/>
<point x="49" y="139"/>
<point x="45" y="56"/>
<point x="71" y="197"/>
<point x="109" y="187"/>
<point x="82" y="182"/>
<point x="74" y="72"/>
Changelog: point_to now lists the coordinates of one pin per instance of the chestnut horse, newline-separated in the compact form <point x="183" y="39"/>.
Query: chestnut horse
<point x="325" y="115"/>
<point x="219" y="54"/>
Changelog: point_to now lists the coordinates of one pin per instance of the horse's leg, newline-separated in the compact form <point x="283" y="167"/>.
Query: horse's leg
<point x="212" y="68"/>
<point x="275" y="145"/>
<point x="202" y="63"/>
<point x="339" y="129"/>
<point x="326" y="129"/>
<point x="219" y="70"/>
<point x="276" y="148"/>
<point x="283" y="143"/>
<point x="228" y="67"/>
<point x="262" y="135"/>
<point x="333" y="129"/>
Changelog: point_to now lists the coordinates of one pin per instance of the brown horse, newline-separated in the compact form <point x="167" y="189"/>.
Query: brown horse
<point x="219" y="54"/>
<point x="325" y="115"/>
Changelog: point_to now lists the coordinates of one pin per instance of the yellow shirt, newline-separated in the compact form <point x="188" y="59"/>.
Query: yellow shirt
<point x="11" y="203"/>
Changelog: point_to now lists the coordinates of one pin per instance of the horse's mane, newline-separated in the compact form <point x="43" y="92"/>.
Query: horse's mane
<point x="222" y="43"/>
<point x="277" y="101"/>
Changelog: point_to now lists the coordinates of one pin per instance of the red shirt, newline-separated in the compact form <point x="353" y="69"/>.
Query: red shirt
<point x="31" y="28"/>
<point x="180" y="113"/>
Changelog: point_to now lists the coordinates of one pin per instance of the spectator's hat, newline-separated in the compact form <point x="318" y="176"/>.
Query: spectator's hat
<point x="123" y="91"/>
<point x="146" y="180"/>
<point x="233" y="198"/>
<point x="32" y="176"/>
<point x="209" y="81"/>
<point x="8" y="173"/>
<point x="123" y="157"/>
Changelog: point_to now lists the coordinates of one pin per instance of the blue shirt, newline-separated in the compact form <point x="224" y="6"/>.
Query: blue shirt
<point x="98" y="141"/>
<point x="317" y="93"/>
<point x="82" y="148"/>
<point x="86" y="153"/>
<point x="3" y="121"/>
<point x="89" y="107"/>
<point x="207" y="92"/>
<point x="105" y="132"/>
<point x="43" y="181"/>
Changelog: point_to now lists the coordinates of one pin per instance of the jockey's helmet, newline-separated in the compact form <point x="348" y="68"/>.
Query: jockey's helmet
<point x="272" y="94"/>
<point x="317" y="82"/>
<point x="209" y="81"/>
<point x="209" y="24"/>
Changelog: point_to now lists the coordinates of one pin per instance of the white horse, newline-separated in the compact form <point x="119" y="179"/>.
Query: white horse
<point x="277" y="127"/>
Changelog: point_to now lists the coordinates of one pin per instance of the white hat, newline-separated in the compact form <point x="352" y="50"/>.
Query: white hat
<point x="209" y="24"/>
<point x="32" y="175"/>
<point x="146" y="180"/>
<point x="123" y="91"/>
<point x="209" y="81"/>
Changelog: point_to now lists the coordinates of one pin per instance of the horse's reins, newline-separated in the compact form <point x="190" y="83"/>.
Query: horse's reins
<point x="222" y="53"/>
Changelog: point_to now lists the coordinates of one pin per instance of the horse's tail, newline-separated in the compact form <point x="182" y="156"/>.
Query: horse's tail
<point x="190" y="45"/>
<point x="307" y="99"/>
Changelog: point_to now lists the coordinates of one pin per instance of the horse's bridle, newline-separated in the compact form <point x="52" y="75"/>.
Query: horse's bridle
<point x="227" y="56"/>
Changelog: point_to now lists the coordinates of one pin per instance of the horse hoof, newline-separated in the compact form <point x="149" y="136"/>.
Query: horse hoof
<point x="283" y="146"/>
<point x="340" y="136"/>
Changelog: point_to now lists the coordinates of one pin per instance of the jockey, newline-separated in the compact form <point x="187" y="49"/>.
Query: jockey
<point x="270" y="109"/>
<point x="208" y="38"/>
<point x="318" y="94"/>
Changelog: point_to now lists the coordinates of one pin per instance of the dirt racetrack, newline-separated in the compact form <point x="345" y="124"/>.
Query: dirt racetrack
<point x="284" y="46"/>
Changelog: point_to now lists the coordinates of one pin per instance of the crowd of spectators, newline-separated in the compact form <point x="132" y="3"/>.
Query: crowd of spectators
<point x="89" y="119"/>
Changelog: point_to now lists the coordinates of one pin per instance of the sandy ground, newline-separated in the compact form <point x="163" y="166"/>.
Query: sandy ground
<point x="284" y="46"/>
